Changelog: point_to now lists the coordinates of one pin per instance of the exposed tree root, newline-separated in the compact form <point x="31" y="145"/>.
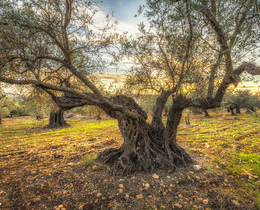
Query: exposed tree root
<point x="143" y="150"/>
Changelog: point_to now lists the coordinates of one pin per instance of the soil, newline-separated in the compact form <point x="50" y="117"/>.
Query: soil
<point x="52" y="178"/>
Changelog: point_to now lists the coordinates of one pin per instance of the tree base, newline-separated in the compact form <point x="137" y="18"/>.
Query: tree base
<point x="57" y="120"/>
<point x="125" y="162"/>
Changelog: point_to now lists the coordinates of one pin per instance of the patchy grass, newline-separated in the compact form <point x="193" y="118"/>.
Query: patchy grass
<point x="90" y="163"/>
<point x="45" y="168"/>
<point x="22" y="134"/>
<point x="232" y="144"/>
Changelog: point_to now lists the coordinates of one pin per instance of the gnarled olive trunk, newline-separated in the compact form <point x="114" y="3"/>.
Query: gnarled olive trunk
<point x="57" y="120"/>
<point x="0" y="120"/>
<point x="147" y="146"/>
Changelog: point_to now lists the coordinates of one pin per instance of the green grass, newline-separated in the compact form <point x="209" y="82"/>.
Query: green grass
<point x="22" y="134"/>
<point x="231" y="145"/>
<point x="90" y="163"/>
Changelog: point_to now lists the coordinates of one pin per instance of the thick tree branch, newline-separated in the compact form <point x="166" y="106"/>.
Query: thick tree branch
<point x="157" y="112"/>
<point x="182" y="102"/>
<point x="174" y="116"/>
<point x="188" y="48"/>
<point x="227" y="80"/>
<point x="212" y="76"/>
<point x="220" y="37"/>
<point x="51" y="87"/>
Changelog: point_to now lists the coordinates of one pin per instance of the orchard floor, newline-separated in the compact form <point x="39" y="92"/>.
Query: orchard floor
<point x="46" y="169"/>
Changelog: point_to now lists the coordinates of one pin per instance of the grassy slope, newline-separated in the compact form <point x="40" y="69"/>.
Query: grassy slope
<point x="232" y="146"/>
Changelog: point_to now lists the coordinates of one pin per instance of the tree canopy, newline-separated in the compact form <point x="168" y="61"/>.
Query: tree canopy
<point x="6" y="105"/>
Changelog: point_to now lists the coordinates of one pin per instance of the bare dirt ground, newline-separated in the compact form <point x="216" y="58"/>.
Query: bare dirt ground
<point x="52" y="178"/>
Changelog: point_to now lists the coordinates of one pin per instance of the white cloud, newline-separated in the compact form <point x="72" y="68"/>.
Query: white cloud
<point x="124" y="26"/>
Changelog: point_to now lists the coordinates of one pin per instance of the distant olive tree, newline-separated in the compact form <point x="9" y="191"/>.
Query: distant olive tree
<point x="7" y="104"/>
<point x="240" y="99"/>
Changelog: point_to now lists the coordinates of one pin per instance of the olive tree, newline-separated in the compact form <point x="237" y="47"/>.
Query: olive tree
<point x="6" y="105"/>
<point x="57" y="36"/>
<point x="240" y="99"/>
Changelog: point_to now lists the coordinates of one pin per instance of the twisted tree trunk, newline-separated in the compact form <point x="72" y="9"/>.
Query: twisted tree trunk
<point x="146" y="146"/>
<point x="57" y="120"/>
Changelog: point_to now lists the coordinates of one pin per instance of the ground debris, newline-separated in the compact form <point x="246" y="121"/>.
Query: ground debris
<point x="155" y="176"/>
<point x="55" y="177"/>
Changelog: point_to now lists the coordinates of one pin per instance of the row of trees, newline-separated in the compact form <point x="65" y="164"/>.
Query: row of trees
<point x="241" y="99"/>
<point x="191" y="53"/>
<point x="233" y="100"/>
<point x="38" y="104"/>
<point x="41" y="106"/>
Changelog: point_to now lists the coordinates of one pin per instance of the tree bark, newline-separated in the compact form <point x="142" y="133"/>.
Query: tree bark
<point x="57" y="120"/>
<point x="238" y="110"/>
<point x="146" y="147"/>
<point x="232" y="110"/>
<point x="165" y="112"/>
<point x="213" y="71"/>
<point x="0" y="121"/>
<point x="206" y="113"/>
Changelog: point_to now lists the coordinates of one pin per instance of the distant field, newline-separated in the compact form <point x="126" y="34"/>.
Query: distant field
<point x="118" y="79"/>
<point x="230" y="144"/>
<point x="112" y="79"/>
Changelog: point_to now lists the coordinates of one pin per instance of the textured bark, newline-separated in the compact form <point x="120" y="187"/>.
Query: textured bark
<point x="57" y="120"/>
<point x="212" y="77"/>
<point x="238" y="110"/>
<point x="0" y="120"/>
<point x="146" y="147"/>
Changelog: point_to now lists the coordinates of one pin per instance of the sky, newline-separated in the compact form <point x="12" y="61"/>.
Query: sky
<point x="124" y="12"/>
